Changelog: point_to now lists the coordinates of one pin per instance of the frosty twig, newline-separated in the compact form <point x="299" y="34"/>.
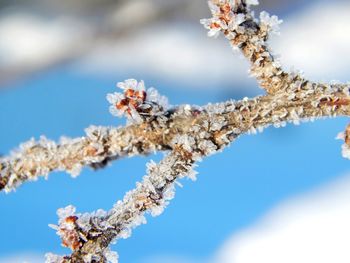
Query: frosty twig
<point x="188" y="133"/>
<point x="100" y="145"/>
<point x="237" y="22"/>
<point x="301" y="100"/>
<point x="91" y="234"/>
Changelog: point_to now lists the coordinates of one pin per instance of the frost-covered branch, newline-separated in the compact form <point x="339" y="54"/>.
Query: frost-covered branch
<point x="192" y="133"/>
<point x="149" y="133"/>
<point x="188" y="133"/>
<point x="100" y="145"/>
<point x="245" y="32"/>
<point x="89" y="235"/>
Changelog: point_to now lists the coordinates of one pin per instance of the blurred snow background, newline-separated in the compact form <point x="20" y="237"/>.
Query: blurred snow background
<point x="125" y="36"/>
<point x="279" y="196"/>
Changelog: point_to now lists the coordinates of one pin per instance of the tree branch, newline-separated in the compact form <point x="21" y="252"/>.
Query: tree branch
<point x="301" y="100"/>
<point x="90" y="235"/>
<point x="194" y="133"/>
<point x="237" y="22"/>
<point x="190" y="132"/>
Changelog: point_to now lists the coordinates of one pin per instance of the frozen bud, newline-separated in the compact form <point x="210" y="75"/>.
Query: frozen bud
<point x="69" y="234"/>
<point x="214" y="26"/>
<point x="135" y="102"/>
<point x="68" y="228"/>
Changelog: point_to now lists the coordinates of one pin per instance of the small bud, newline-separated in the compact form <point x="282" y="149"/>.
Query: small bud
<point x="69" y="234"/>
<point x="68" y="228"/>
<point x="135" y="102"/>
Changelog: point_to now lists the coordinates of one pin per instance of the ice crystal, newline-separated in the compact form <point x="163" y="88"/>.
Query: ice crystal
<point x="95" y="133"/>
<point x="340" y="136"/>
<point x="213" y="26"/>
<point x="52" y="258"/>
<point x="75" y="170"/>
<point x="272" y="22"/>
<point x="111" y="256"/>
<point x="217" y="123"/>
<point x="236" y="21"/>
<point x="294" y="117"/>
<point x="65" y="212"/>
<point x="185" y="141"/>
<point x="346" y="151"/>
<point x="252" y="2"/>
<point x="207" y="147"/>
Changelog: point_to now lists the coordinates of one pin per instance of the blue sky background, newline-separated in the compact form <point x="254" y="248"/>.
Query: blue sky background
<point x="234" y="188"/>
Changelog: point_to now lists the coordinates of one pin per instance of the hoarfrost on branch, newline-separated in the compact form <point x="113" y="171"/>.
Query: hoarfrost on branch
<point x="187" y="133"/>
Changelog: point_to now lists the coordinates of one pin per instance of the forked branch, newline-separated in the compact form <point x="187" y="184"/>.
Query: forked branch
<point x="188" y="133"/>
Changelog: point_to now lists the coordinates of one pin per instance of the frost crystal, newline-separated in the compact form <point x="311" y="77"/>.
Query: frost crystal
<point x="346" y="151"/>
<point x="65" y="212"/>
<point x="52" y="258"/>
<point x="340" y="136"/>
<point x="272" y="22"/>
<point x="252" y="2"/>
<point x="185" y="141"/>
<point x="111" y="256"/>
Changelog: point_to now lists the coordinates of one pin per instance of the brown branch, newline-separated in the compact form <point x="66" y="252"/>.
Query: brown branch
<point x="195" y="134"/>
<point x="190" y="132"/>
<point x="302" y="100"/>
<point x="151" y="195"/>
